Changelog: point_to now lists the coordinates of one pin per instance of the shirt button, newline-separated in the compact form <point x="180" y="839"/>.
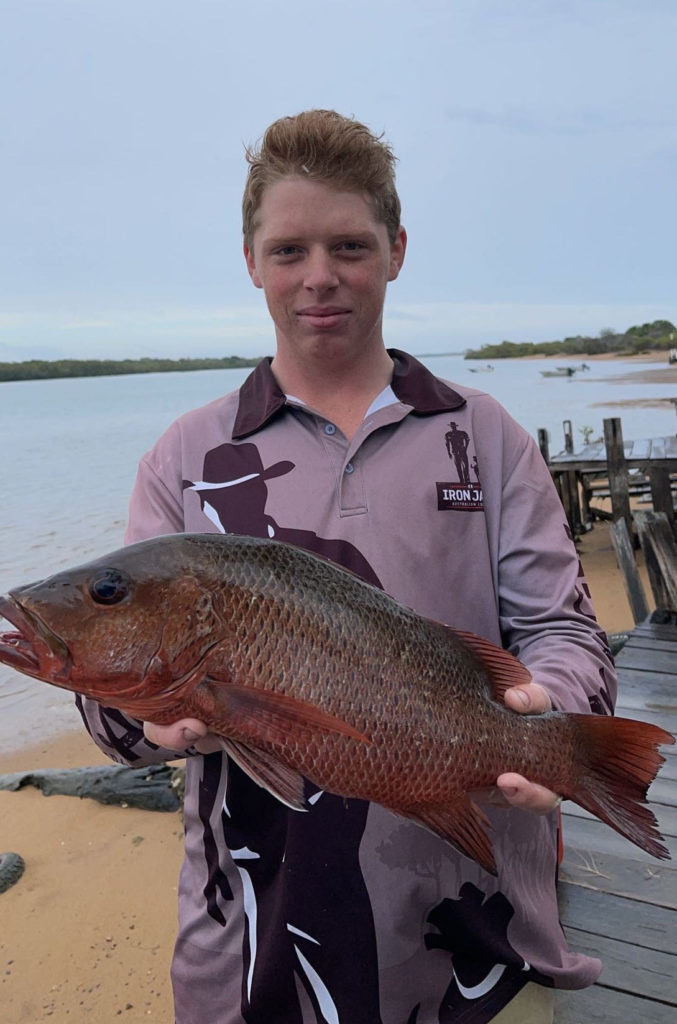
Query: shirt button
<point x="350" y="468"/>
<point x="329" y="428"/>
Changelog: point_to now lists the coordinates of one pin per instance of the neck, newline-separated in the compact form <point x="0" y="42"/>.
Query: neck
<point x="341" y="393"/>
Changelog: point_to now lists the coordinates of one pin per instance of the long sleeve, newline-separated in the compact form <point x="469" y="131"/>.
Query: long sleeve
<point x="546" y="615"/>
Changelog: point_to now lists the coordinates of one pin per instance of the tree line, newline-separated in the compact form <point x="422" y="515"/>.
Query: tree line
<point x="660" y="334"/>
<point x="45" y="369"/>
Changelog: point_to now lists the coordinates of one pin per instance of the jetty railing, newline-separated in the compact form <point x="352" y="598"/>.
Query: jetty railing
<point x="624" y="473"/>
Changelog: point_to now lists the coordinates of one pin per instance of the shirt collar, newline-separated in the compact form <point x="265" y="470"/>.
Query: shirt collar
<point x="261" y="398"/>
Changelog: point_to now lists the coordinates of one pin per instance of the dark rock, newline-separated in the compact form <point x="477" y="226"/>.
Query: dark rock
<point x="152" y="788"/>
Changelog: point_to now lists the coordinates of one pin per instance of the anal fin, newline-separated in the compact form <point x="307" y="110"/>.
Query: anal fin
<point x="462" y="823"/>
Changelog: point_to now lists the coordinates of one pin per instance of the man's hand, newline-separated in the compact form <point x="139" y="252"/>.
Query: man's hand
<point x="188" y="732"/>
<point x="515" y="790"/>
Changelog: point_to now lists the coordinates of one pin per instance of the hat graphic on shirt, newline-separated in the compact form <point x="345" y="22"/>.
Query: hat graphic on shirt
<point x="233" y="464"/>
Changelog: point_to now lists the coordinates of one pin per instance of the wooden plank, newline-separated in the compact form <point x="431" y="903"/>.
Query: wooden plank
<point x="625" y="556"/>
<point x="638" y="688"/>
<point x="618" y="471"/>
<point x="600" y="1005"/>
<point x="593" y="836"/>
<point x="666" y="814"/>
<point x="569" y="497"/>
<point x="664" y="719"/>
<point x="640" y="641"/>
<point x="661" y="662"/>
<point x="663" y="791"/>
<point x="668" y="772"/>
<point x="627" y="968"/>
<point x="641" y="449"/>
<point x="616" y="902"/>
<point x="661" y="494"/>
<point x="660" y="556"/>
<point x="620" y="876"/>
<point x="665" y="629"/>
<point x="608" y="915"/>
<point x="658" y="448"/>
<point x="544" y="443"/>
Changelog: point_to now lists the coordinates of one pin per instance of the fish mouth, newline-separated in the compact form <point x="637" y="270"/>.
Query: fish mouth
<point x="32" y="648"/>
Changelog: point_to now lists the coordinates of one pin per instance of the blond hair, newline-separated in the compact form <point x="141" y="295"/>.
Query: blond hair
<point x="327" y="147"/>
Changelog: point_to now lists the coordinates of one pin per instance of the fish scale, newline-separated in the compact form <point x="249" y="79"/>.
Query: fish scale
<point x="307" y="672"/>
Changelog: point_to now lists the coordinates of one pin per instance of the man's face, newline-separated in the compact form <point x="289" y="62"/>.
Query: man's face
<point x="323" y="261"/>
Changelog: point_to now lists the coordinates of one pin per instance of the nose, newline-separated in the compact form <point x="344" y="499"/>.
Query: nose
<point x="320" y="273"/>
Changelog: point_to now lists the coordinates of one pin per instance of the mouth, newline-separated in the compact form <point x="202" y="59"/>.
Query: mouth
<point x="21" y="648"/>
<point x="323" y="316"/>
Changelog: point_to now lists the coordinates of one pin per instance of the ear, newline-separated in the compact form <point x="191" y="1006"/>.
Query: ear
<point x="251" y="265"/>
<point x="397" y="251"/>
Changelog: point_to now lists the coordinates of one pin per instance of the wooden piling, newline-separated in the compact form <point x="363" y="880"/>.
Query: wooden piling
<point x="618" y="471"/>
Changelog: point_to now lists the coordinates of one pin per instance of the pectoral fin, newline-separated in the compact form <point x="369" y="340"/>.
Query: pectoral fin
<point x="461" y="823"/>
<point x="272" y="716"/>
<point x="267" y="771"/>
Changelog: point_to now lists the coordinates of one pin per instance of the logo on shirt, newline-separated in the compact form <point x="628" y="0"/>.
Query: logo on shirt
<point x="458" y="496"/>
<point x="465" y="493"/>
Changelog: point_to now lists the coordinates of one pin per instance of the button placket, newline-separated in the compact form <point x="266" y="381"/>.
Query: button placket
<point x="350" y="490"/>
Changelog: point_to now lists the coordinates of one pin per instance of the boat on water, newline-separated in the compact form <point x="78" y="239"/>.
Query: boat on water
<point x="481" y="369"/>
<point x="560" y="371"/>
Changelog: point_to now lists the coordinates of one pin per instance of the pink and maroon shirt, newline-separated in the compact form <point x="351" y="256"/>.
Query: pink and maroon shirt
<point x="349" y="914"/>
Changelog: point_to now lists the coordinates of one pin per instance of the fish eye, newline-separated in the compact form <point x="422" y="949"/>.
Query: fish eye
<point x="109" y="587"/>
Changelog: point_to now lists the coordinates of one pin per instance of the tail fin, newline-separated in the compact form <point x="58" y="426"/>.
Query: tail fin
<point x="620" y="760"/>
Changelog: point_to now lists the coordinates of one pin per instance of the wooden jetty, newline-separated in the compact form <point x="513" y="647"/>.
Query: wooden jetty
<point x="614" y="469"/>
<point x="616" y="902"/>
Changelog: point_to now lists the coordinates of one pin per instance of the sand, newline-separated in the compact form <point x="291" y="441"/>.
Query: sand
<point x="87" y="932"/>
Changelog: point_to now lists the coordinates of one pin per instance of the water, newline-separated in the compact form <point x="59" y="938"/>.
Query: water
<point x="70" y="450"/>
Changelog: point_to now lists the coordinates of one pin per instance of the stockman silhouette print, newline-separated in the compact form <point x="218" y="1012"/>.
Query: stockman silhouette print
<point x="233" y="493"/>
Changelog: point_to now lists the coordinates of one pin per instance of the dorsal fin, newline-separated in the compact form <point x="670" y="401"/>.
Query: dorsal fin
<point x="503" y="668"/>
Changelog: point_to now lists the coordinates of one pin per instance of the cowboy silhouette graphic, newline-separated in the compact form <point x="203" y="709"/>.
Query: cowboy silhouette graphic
<point x="233" y="493"/>
<point x="233" y="496"/>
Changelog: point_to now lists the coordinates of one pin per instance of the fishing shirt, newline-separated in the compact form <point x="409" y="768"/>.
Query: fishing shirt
<point x="348" y="913"/>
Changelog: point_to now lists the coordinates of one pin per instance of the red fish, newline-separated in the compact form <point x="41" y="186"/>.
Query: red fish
<point x="307" y="671"/>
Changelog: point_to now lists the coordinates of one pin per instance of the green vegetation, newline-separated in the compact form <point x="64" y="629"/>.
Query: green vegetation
<point x="44" y="369"/>
<point x="660" y="334"/>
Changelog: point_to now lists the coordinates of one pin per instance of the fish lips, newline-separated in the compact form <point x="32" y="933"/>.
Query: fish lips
<point x="32" y="648"/>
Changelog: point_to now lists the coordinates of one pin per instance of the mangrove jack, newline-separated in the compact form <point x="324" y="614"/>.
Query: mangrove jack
<point x="307" y="671"/>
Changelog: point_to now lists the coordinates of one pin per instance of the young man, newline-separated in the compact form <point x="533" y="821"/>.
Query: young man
<point x="348" y="913"/>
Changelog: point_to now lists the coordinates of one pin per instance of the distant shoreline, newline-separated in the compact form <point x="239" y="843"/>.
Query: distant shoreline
<point x="57" y="369"/>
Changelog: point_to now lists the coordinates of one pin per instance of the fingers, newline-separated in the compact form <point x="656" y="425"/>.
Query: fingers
<point x="514" y="790"/>
<point x="529" y="796"/>
<point x="530" y="699"/>
<point x="177" y="736"/>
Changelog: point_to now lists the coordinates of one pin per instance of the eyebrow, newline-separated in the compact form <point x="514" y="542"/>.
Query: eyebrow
<point x="338" y="236"/>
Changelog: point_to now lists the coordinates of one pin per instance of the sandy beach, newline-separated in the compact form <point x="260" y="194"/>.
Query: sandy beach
<point x="87" y="932"/>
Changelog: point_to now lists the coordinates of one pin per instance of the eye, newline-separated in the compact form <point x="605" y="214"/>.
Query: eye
<point x="109" y="587"/>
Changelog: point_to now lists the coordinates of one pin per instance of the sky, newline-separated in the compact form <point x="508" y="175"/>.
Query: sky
<point x="537" y="146"/>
